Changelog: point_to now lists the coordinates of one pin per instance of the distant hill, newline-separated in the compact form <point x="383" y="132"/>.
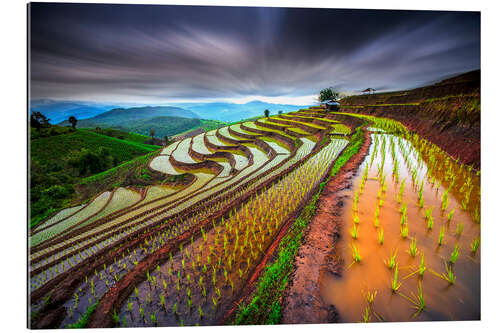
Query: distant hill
<point x="165" y="120"/>
<point x="230" y="112"/>
<point x="58" y="111"/>
<point x="163" y="126"/>
<point x="119" y="116"/>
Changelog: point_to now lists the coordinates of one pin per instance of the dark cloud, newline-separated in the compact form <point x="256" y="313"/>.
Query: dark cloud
<point x="159" y="53"/>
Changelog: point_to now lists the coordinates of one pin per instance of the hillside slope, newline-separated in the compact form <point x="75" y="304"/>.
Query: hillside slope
<point x="59" y="161"/>
<point x="447" y="113"/>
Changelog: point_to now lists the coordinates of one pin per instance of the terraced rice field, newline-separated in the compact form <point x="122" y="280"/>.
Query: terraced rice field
<point x="142" y="223"/>
<point x="172" y="256"/>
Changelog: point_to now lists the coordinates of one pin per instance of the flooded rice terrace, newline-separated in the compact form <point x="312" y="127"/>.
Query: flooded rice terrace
<point x="410" y="237"/>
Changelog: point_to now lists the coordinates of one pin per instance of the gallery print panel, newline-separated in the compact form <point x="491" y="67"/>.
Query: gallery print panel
<point x="216" y="165"/>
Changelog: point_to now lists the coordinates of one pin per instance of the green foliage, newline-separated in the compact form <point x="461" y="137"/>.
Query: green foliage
<point x="73" y="121"/>
<point x="89" y="162"/>
<point x="328" y="94"/>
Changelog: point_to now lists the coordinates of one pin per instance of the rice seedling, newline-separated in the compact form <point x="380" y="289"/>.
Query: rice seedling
<point x="376" y="222"/>
<point x="418" y="300"/>
<point x="428" y="213"/>
<point x="430" y="223"/>
<point x="116" y="318"/>
<point x="354" y="232"/>
<point x="153" y="319"/>
<point x="200" y="311"/>
<point x="392" y="259"/>
<point x="141" y="312"/>
<point x="366" y="315"/>
<point x="450" y="214"/>
<point x="421" y="195"/>
<point x="395" y="285"/>
<point x="355" y="253"/>
<point x="422" y="268"/>
<point x="441" y="236"/>
<point x="403" y="208"/>
<point x="381" y="236"/>
<point x="475" y="245"/>
<point x="460" y="229"/>
<point x="403" y="220"/>
<point x="404" y="231"/>
<point x="370" y="297"/>
<point x="413" y="247"/>
<point x="454" y="254"/>
<point x="445" y="200"/>
<point x="174" y="309"/>
<point x="401" y="191"/>
<point x="476" y="216"/>
<point x="447" y="276"/>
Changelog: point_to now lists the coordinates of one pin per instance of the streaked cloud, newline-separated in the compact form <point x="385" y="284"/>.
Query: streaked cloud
<point x="156" y="54"/>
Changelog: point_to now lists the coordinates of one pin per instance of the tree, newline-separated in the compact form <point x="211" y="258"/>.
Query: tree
<point x="73" y="121"/>
<point x="266" y="113"/>
<point x="90" y="162"/>
<point x="280" y="112"/>
<point x="38" y="120"/>
<point x="328" y="94"/>
<point x="166" y="140"/>
<point x="152" y="133"/>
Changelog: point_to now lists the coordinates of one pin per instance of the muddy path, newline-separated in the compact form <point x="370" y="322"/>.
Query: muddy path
<point x="302" y="302"/>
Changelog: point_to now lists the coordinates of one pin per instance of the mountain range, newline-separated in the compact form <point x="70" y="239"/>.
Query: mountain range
<point x="59" y="111"/>
<point x="230" y="112"/>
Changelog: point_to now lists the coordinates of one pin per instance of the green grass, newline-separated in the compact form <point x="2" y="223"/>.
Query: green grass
<point x="82" y="322"/>
<point x="60" y="147"/>
<point x="264" y="306"/>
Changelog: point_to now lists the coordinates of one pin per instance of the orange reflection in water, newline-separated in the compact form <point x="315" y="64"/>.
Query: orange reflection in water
<point x="460" y="301"/>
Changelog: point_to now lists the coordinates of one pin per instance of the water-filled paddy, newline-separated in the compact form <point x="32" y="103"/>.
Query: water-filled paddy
<point x="362" y="229"/>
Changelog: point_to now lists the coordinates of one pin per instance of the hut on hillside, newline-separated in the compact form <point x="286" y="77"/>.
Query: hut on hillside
<point x="331" y="105"/>
<point x="368" y="91"/>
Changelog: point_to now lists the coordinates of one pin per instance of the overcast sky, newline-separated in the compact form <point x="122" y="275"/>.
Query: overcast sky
<point x="159" y="54"/>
